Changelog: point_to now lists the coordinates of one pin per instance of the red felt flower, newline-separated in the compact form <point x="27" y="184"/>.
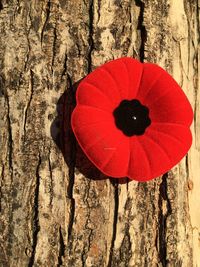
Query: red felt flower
<point x="132" y="119"/>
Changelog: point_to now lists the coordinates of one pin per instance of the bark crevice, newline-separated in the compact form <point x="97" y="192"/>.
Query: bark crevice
<point x="10" y="138"/>
<point x="51" y="180"/>
<point x="2" y="178"/>
<point x="125" y="252"/>
<point x="72" y="162"/>
<point x="48" y="11"/>
<point x="141" y="27"/>
<point x="165" y="211"/>
<point x="1" y="6"/>
<point x="90" y="38"/>
<point x="36" y="226"/>
<point x="115" y="220"/>
<point x="29" y="101"/>
<point x="61" y="249"/>
<point x="187" y="169"/>
<point x="87" y="227"/>
<point x="54" y="47"/>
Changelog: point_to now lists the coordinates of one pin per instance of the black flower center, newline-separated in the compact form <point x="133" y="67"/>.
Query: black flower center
<point x="131" y="117"/>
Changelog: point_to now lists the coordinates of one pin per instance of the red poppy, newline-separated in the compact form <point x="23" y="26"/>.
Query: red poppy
<point x="132" y="119"/>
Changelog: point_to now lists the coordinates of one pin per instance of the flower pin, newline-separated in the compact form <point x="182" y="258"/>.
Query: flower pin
<point x="132" y="119"/>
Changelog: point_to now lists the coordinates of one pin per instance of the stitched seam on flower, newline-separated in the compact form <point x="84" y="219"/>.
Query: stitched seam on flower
<point x="128" y="76"/>
<point x="109" y="104"/>
<point x="170" y="123"/>
<point x="129" y="160"/>
<point x="114" y="150"/>
<point x="160" y="147"/>
<point x="164" y="133"/>
<point x="108" y="71"/>
<point x="154" y="82"/>
<point x="157" y="99"/>
<point x="96" y="142"/>
<point x="139" y="80"/>
<point x="146" y="156"/>
<point x="179" y="123"/>
<point x="106" y="96"/>
<point x="166" y="110"/>
<point x="116" y="85"/>
<point x="102" y="110"/>
<point x="90" y="124"/>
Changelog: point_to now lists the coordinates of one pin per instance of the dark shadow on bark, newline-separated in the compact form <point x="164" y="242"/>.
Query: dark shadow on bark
<point x="1" y="6"/>
<point x="141" y="28"/>
<point x="65" y="140"/>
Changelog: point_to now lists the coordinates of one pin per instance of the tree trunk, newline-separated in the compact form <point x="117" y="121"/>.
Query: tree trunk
<point x="56" y="208"/>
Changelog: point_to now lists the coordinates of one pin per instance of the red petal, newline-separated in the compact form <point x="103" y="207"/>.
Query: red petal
<point x="90" y="95"/>
<point x="127" y="74"/>
<point x="161" y="148"/>
<point x="116" y="80"/>
<point x="139" y="165"/>
<point x="164" y="97"/>
<point x="149" y="160"/>
<point x="174" y="138"/>
<point x="101" y="141"/>
<point x="135" y="70"/>
<point x="172" y="107"/>
<point x="151" y="73"/>
<point x="119" y="73"/>
<point x="103" y="81"/>
<point x="86" y="115"/>
<point x="111" y="155"/>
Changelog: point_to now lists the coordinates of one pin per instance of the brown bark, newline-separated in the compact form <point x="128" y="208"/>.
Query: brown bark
<point x="56" y="208"/>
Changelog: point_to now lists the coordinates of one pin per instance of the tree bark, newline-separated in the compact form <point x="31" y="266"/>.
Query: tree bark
<point x="56" y="208"/>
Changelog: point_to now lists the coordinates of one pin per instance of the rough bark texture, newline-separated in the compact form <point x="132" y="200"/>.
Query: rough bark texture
<point x="56" y="208"/>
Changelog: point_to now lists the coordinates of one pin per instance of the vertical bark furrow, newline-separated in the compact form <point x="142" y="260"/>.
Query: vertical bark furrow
<point x="164" y="211"/>
<point x="10" y="138"/>
<point x="91" y="32"/>
<point x="72" y="155"/>
<point x="36" y="225"/>
<point x="141" y="27"/>
<point x="70" y="189"/>
<point x="1" y="6"/>
<point x="115" y="220"/>
<point x="1" y="181"/>
<point x="29" y="101"/>
<point x="125" y="250"/>
<point x="54" y="50"/>
<point x="48" y="11"/>
<point x="87" y="226"/>
<point x="51" y="186"/>
<point x="61" y="249"/>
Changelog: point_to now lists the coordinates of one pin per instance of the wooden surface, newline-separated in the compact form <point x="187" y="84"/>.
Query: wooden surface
<point x="56" y="209"/>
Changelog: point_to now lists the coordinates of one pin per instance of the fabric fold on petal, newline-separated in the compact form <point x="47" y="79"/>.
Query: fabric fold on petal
<point x="101" y="141"/>
<point x="90" y="95"/>
<point x="139" y="166"/>
<point x="163" y="96"/>
<point x="103" y="81"/>
<point x="135" y="72"/>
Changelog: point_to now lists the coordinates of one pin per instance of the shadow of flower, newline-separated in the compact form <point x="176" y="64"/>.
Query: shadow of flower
<point x="65" y="140"/>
